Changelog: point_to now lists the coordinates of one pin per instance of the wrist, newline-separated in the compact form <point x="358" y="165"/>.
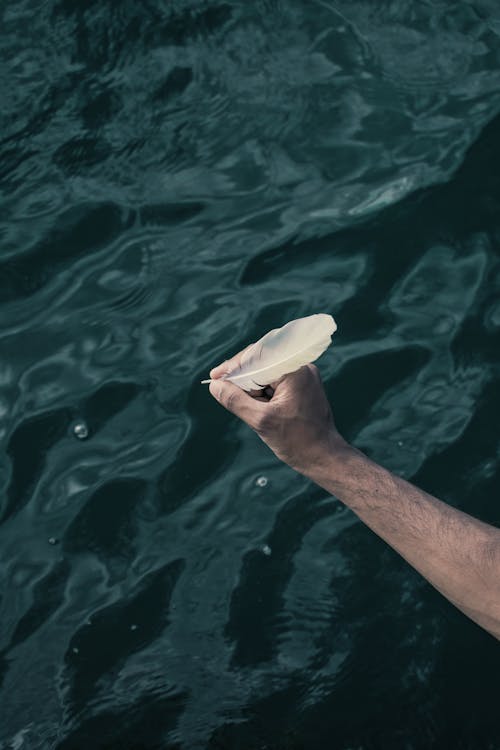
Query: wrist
<point x="329" y="462"/>
<point x="352" y="477"/>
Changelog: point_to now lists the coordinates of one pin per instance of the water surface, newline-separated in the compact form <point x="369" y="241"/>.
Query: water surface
<point x="177" y="178"/>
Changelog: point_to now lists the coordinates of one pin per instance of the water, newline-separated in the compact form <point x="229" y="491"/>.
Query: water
<point x="177" y="178"/>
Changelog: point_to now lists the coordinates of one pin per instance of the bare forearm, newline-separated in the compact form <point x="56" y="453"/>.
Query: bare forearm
<point x="457" y="554"/>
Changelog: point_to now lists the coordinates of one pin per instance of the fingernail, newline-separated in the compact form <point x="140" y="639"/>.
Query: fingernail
<point x="218" y="367"/>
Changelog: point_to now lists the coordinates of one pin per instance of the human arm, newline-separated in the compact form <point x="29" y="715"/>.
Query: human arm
<point x="458" y="554"/>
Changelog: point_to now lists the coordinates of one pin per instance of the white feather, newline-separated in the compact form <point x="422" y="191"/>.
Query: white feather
<point x="283" y="350"/>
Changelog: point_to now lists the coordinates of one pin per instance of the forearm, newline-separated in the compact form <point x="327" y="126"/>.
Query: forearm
<point x="457" y="554"/>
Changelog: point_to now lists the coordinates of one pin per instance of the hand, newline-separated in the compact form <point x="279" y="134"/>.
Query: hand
<point x="292" y="416"/>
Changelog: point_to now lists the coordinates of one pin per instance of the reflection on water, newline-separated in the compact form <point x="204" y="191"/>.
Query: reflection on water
<point x="177" y="178"/>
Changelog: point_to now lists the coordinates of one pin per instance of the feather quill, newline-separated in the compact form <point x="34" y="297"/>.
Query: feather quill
<point x="283" y="350"/>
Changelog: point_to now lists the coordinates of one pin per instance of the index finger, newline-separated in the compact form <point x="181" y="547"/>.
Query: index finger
<point x="228" y="364"/>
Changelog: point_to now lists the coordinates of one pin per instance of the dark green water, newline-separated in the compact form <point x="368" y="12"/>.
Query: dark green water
<point x="177" y="178"/>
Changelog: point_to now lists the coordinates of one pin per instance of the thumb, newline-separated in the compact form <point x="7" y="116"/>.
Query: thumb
<point x="237" y="401"/>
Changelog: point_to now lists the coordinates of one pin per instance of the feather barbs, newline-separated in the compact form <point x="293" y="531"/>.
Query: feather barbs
<point x="282" y="351"/>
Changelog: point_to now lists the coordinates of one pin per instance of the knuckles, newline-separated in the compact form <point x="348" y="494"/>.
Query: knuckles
<point x="314" y="371"/>
<point x="263" y="423"/>
<point x="228" y="399"/>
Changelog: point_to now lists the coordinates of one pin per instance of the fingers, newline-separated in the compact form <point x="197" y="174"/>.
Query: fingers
<point x="237" y="401"/>
<point x="228" y="365"/>
<point x="307" y="374"/>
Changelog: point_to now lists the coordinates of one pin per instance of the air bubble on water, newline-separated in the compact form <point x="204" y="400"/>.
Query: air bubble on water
<point x="266" y="549"/>
<point x="80" y="430"/>
<point x="133" y="627"/>
<point x="400" y="443"/>
<point x="261" y="481"/>
<point x="76" y="650"/>
<point x="52" y="540"/>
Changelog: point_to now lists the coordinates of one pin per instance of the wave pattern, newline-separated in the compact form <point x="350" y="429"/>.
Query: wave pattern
<point x="177" y="178"/>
